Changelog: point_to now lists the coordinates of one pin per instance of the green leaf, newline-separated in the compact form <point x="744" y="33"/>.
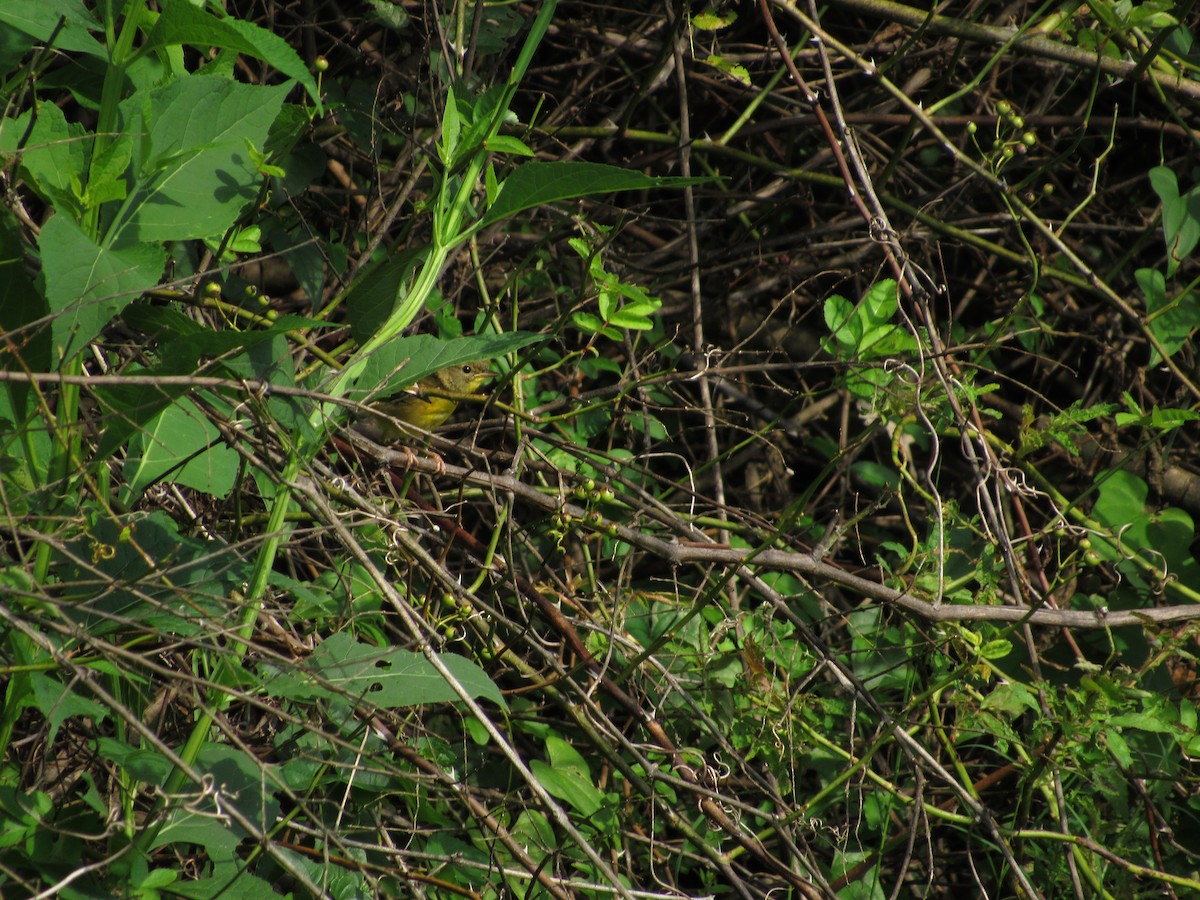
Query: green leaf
<point x="1162" y="420"/>
<point x="182" y="446"/>
<point x="182" y="22"/>
<point x="588" y="322"/>
<point x="622" y="319"/>
<point x="390" y="14"/>
<point x="154" y="577"/>
<point x="1187" y="716"/>
<point x="447" y="145"/>
<point x="245" y="240"/>
<point x="157" y="878"/>
<point x="181" y="344"/>
<point x="535" y="833"/>
<point x="86" y="285"/>
<point x="106" y="179"/>
<point x="1067" y="428"/>
<point x="22" y="814"/>
<point x="876" y="339"/>
<point x="1142" y="722"/>
<point x="1122" y="498"/>
<point x="373" y="296"/>
<point x="407" y="360"/>
<point x="537" y="183"/>
<point x="1180" y="216"/>
<point x="711" y="20"/>
<point x="569" y="786"/>
<point x="647" y="424"/>
<point x="147" y="765"/>
<point x="1172" y="320"/>
<point x="192" y="174"/>
<point x="59" y="702"/>
<point x="866" y="331"/>
<point x="243" y="782"/>
<point x="1169" y="534"/>
<point x="996" y="649"/>
<point x="502" y="143"/>
<point x="41" y="20"/>
<point x="736" y="71"/>
<point x="879" y="304"/>
<point x="607" y="301"/>
<point x="1117" y="745"/>
<point x="479" y="117"/>
<point x="53" y="155"/>
<point x="567" y="777"/>
<point x="1013" y="699"/>
<point x="1151" y="15"/>
<point x="262" y="164"/>
<point x="843" y="325"/>
<point x="382" y="676"/>
<point x="878" y="477"/>
<point x="272" y="363"/>
<point x="564" y="756"/>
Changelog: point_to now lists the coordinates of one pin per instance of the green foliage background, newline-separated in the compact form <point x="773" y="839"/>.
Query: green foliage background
<point x="827" y="530"/>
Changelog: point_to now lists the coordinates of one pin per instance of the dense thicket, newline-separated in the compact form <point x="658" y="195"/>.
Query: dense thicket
<point x="827" y="527"/>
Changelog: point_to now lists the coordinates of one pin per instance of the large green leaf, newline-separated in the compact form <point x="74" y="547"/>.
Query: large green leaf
<point x="41" y="19"/>
<point x="86" y="285"/>
<point x="375" y="293"/>
<point x="407" y="360"/>
<point x="138" y="571"/>
<point x="182" y="22"/>
<point x="183" y="447"/>
<point x="537" y="183"/>
<point x="192" y="172"/>
<point x="382" y="676"/>
<point x="53" y="154"/>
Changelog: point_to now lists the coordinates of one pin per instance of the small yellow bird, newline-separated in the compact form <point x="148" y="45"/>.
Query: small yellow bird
<point x="426" y="405"/>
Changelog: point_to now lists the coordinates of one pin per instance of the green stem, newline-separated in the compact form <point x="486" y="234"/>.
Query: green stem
<point x="110" y="95"/>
